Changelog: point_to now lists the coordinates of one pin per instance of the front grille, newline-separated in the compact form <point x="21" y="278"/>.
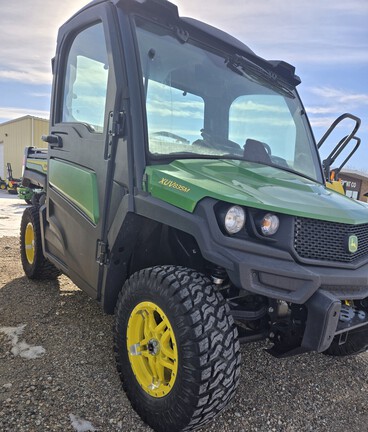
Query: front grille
<point x="328" y="241"/>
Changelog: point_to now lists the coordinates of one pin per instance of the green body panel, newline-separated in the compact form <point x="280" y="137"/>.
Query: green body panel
<point x="77" y="184"/>
<point x="37" y="165"/>
<point x="184" y="183"/>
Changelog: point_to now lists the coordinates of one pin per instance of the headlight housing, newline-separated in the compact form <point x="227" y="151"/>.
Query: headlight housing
<point x="269" y="224"/>
<point x="234" y="219"/>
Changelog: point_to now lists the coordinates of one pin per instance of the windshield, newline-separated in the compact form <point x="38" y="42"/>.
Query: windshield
<point x="199" y="105"/>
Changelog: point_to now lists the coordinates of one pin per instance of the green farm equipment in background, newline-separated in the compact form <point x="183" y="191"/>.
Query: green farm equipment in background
<point x="29" y="194"/>
<point x="2" y="184"/>
<point x="12" y="183"/>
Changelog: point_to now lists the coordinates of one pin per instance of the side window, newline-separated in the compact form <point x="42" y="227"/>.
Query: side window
<point x="174" y="118"/>
<point x="85" y="83"/>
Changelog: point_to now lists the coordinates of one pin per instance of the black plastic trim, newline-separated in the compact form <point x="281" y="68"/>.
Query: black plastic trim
<point x="257" y="268"/>
<point x="323" y="316"/>
<point x="33" y="178"/>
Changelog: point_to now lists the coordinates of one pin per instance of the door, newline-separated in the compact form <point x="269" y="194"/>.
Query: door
<point x="79" y="160"/>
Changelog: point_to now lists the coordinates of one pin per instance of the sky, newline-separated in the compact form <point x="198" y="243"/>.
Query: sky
<point x="326" y="40"/>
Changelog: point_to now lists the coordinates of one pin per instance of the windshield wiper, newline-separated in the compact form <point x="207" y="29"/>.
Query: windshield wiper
<point x="244" y="67"/>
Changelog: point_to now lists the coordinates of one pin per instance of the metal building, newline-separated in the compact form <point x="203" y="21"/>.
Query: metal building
<point x="355" y="184"/>
<point x="17" y="134"/>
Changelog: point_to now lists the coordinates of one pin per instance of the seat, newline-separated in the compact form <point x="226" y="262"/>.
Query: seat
<point x="255" y="151"/>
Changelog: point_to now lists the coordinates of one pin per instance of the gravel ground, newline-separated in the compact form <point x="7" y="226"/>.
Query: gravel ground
<point x="61" y="369"/>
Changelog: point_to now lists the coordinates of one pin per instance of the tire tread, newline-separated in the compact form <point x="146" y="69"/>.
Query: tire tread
<point x="41" y="268"/>
<point x="206" y="324"/>
<point x="356" y="343"/>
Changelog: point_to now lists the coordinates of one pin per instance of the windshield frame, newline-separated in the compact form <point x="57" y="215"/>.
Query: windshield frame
<point x="222" y="49"/>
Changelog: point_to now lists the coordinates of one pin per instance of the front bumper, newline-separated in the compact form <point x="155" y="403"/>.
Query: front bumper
<point x="273" y="273"/>
<point x="326" y="319"/>
<point x="270" y="272"/>
<point x="320" y="289"/>
<point x="295" y="283"/>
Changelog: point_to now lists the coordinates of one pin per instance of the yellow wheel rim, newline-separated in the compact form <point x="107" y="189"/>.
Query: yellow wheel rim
<point x="152" y="349"/>
<point x="29" y="243"/>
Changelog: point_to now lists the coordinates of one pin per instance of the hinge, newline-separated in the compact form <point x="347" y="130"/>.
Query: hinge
<point x="117" y="126"/>
<point x="102" y="255"/>
<point x="181" y="34"/>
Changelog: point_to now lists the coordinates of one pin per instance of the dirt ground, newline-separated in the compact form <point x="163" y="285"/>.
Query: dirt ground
<point x="57" y="370"/>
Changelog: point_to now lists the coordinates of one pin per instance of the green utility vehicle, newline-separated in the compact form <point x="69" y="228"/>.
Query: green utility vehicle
<point x="33" y="175"/>
<point x="185" y="193"/>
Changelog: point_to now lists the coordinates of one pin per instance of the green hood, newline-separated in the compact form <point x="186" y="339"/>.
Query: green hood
<point x="184" y="183"/>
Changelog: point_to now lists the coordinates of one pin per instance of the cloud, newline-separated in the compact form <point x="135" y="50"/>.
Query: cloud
<point x="341" y="96"/>
<point x="298" y="32"/>
<point x="322" y="122"/>
<point x="323" y="110"/>
<point x="28" y="38"/>
<point x="10" y="113"/>
<point x="332" y="103"/>
<point x="40" y="95"/>
<point x="242" y="104"/>
<point x="30" y="76"/>
<point x="330" y="31"/>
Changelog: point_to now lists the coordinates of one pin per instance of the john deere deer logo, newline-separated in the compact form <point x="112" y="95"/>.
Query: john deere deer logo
<point x="353" y="243"/>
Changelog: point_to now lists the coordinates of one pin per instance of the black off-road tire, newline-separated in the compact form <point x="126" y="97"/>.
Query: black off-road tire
<point x="206" y="339"/>
<point x="356" y="343"/>
<point x="39" y="267"/>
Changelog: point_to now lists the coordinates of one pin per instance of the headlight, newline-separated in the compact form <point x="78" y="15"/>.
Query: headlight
<point x="269" y="224"/>
<point x="234" y="219"/>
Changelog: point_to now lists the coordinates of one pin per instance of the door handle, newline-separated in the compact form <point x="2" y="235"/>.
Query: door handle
<point x="53" y="140"/>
